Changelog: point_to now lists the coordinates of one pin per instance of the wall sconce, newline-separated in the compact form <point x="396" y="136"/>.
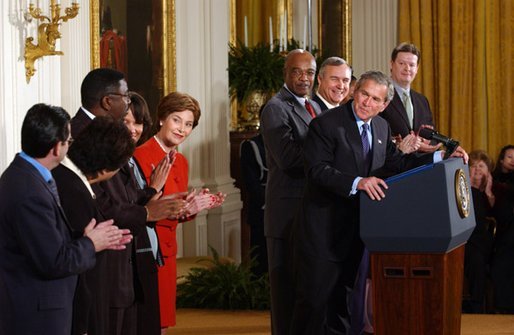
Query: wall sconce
<point x="47" y="33"/>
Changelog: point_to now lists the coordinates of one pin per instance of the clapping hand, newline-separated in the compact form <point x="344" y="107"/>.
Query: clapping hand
<point x="409" y="143"/>
<point x="160" y="173"/>
<point x="197" y="201"/>
<point x="106" y="235"/>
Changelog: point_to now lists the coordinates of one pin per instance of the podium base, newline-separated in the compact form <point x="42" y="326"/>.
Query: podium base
<point x="417" y="293"/>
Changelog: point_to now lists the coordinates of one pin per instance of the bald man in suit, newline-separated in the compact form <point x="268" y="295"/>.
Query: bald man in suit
<point x="284" y="124"/>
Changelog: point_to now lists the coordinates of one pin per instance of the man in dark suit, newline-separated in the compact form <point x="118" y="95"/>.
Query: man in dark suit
<point x="254" y="174"/>
<point x="40" y="259"/>
<point x="334" y="79"/>
<point x="326" y="238"/>
<point x="284" y="124"/>
<point x="408" y="110"/>
<point x="105" y="92"/>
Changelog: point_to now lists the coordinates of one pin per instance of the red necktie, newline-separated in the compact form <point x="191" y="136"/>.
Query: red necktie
<point x="309" y="108"/>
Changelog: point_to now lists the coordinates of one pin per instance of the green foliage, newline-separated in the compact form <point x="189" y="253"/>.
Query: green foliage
<point x="225" y="285"/>
<point x="254" y="69"/>
<point x="258" y="69"/>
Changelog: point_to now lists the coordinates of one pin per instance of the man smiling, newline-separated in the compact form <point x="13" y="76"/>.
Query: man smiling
<point x="334" y="80"/>
<point x="284" y="123"/>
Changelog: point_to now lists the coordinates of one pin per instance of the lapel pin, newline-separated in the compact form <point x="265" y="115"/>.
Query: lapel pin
<point x="379" y="141"/>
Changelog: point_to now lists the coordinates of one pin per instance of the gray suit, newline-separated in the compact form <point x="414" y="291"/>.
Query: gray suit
<point x="284" y="125"/>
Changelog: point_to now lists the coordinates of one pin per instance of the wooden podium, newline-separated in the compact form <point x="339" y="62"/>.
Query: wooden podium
<point x="416" y="238"/>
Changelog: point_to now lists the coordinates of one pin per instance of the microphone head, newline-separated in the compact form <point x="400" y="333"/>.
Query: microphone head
<point x="426" y="133"/>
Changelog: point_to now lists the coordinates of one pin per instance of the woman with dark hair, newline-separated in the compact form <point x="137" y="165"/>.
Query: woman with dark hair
<point x="504" y="170"/>
<point x="177" y="115"/>
<point x="502" y="264"/>
<point x="148" y="258"/>
<point x="97" y="154"/>
<point x="139" y="119"/>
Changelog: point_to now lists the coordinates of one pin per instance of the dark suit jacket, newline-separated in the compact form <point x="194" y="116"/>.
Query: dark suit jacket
<point x="118" y="198"/>
<point x="328" y="226"/>
<point x="396" y="115"/>
<point x="39" y="259"/>
<point x="284" y="125"/>
<point x="254" y="176"/>
<point x="79" y="122"/>
<point x="146" y="287"/>
<point x="90" y="304"/>
<point x="320" y="102"/>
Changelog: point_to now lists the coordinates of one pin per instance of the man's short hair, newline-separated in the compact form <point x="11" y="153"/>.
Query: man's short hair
<point x="332" y="61"/>
<point x="379" y="78"/>
<point x="105" y="144"/>
<point x="97" y="83"/>
<point x="405" y="47"/>
<point x="43" y="127"/>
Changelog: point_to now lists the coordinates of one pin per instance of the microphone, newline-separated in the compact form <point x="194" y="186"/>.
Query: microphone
<point x="448" y="142"/>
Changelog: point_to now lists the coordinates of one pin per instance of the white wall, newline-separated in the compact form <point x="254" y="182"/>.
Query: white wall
<point x="56" y="78"/>
<point x="374" y="34"/>
<point x="202" y="61"/>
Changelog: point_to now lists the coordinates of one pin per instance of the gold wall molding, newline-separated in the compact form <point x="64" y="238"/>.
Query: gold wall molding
<point x="344" y="27"/>
<point x="169" y="73"/>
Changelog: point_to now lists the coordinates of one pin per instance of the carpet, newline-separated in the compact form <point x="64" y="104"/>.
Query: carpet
<point x="215" y="322"/>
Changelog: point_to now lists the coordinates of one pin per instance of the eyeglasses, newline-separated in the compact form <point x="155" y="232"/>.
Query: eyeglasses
<point x="300" y="73"/>
<point x="125" y="97"/>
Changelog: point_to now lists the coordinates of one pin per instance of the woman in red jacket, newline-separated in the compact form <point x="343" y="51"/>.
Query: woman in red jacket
<point x="177" y="115"/>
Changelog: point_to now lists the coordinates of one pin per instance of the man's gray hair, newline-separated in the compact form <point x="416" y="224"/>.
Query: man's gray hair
<point x="379" y="78"/>
<point x="332" y="61"/>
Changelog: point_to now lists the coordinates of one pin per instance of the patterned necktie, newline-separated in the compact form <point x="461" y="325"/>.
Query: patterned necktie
<point x="53" y="189"/>
<point x="407" y="103"/>
<point x="309" y="108"/>
<point x="365" y="146"/>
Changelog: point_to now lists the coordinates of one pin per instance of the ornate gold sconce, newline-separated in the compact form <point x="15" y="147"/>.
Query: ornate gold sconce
<point x="47" y="33"/>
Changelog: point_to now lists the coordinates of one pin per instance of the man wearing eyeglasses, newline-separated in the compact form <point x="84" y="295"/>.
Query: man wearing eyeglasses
<point x="104" y="92"/>
<point x="284" y="123"/>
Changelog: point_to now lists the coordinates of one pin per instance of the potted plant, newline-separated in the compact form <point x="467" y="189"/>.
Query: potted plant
<point x="223" y="285"/>
<point x="255" y="74"/>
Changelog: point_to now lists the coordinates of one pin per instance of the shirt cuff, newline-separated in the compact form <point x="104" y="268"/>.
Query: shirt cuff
<point x="438" y="156"/>
<point x="354" y="185"/>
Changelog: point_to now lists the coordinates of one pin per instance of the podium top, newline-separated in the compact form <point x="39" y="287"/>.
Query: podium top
<point x="421" y="212"/>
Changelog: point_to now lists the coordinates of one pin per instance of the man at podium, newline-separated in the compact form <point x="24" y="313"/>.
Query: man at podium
<point x="343" y="149"/>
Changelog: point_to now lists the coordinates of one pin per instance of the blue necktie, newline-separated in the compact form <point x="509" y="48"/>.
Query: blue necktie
<point x="365" y="147"/>
<point x="53" y="189"/>
<point x="357" y="305"/>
